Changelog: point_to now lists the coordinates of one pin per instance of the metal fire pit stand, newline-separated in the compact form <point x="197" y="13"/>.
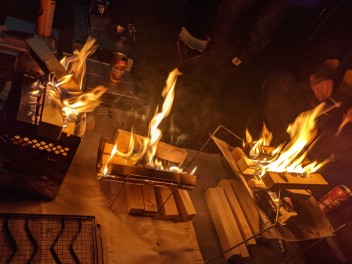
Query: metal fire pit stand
<point x="138" y="175"/>
<point x="111" y="203"/>
<point x="277" y="209"/>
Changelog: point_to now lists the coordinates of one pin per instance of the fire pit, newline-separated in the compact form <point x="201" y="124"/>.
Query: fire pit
<point x="38" y="138"/>
<point x="145" y="160"/>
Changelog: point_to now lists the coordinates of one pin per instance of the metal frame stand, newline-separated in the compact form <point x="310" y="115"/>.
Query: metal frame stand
<point x="277" y="211"/>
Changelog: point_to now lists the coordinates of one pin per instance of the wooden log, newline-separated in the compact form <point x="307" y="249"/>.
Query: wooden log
<point x="134" y="198"/>
<point x="222" y="225"/>
<point x="238" y="153"/>
<point x="247" y="166"/>
<point x="275" y="181"/>
<point x="237" y="211"/>
<point x="51" y="119"/>
<point x="234" y="224"/>
<point x="163" y="151"/>
<point x="248" y="206"/>
<point x="42" y="50"/>
<point x="150" y="204"/>
<point x="256" y="184"/>
<point x="286" y="215"/>
<point x="184" y="205"/>
<point x="296" y="194"/>
<point x="166" y="203"/>
<point x="115" y="160"/>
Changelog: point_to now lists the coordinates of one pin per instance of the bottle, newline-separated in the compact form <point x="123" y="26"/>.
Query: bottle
<point x="118" y="67"/>
<point x="45" y="17"/>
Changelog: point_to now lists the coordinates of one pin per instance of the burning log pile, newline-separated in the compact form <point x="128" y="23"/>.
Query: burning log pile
<point x="273" y="185"/>
<point x="152" y="169"/>
<point x="43" y="119"/>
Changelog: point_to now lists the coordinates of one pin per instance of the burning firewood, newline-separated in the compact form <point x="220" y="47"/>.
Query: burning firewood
<point x="163" y="151"/>
<point x="275" y="181"/>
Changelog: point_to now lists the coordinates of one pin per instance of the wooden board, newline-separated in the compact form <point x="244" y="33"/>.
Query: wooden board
<point x="247" y="167"/>
<point x="163" y="151"/>
<point x="149" y="199"/>
<point x="115" y="160"/>
<point x="256" y="184"/>
<point x="296" y="194"/>
<point x="184" y="205"/>
<point x="134" y="198"/>
<point x="222" y="225"/>
<point x="168" y="208"/>
<point x="234" y="224"/>
<point x="237" y="154"/>
<point x="237" y="211"/>
<point x="248" y="206"/>
<point x="275" y="182"/>
<point x="42" y="50"/>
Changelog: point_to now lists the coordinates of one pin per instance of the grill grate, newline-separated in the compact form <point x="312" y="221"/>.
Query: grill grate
<point x="34" y="143"/>
<point x="48" y="239"/>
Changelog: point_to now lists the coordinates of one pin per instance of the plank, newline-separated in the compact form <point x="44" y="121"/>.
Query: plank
<point x="222" y="225"/>
<point x="149" y="199"/>
<point x="51" y="120"/>
<point x="237" y="154"/>
<point x="44" y="53"/>
<point x="275" y="181"/>
<point x="184" y="205"/>
<point x="164" y="151"/>
<point x="134" y="198"/>
<point x="234" y="224"/>
<point x="248" y="206"/>
<point x="256" y="184"/>
<point x="168" y="209"/>
<point x="247" y="167"/>
<point x="296" y="194"/>
<point x="237" y="211"/>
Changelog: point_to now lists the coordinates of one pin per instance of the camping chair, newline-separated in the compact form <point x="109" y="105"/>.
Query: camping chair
<point x="189" y="47"/>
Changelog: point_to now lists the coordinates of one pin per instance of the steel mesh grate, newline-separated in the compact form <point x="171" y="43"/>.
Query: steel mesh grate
<point x="48" y="239"/>
<point x="35" y="144"/>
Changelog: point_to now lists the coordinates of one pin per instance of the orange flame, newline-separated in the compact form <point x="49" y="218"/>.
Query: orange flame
<point x="73" y="103"/>
<point x="76" y="64"/>
<point x="292" y="156"/>
<point x="147" y="147"/>
<point x="154" y="132"/>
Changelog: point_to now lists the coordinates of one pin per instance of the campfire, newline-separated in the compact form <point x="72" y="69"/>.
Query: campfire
<point x="64" y="91"/>
<point x="268" y="170"/>
<point x="289" y="158"/>
<point x="44" y="119"/>
<point x="146" y="158"/>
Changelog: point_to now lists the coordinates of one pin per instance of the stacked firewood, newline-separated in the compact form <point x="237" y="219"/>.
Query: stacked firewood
<point x="145" y="200"/>
<point x="235" y="217"/>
